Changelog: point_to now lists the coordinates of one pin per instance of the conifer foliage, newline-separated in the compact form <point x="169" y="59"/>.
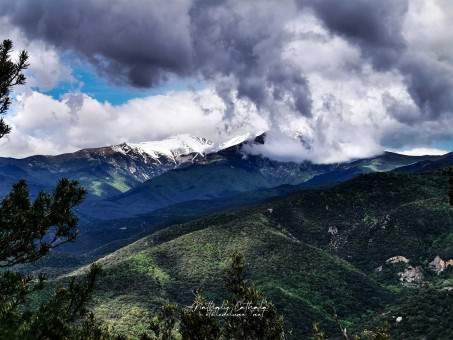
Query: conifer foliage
<point x="28" y="231"/>
<point x="242" y="321"/>
<point x="10" y="75"/>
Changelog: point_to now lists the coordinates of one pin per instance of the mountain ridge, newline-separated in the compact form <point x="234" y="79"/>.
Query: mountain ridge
<point x="305" y="251"/>
<point x="228" y="172"/>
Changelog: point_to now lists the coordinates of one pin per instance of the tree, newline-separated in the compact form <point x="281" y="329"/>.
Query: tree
<point x="198" y="323"/>
<point x="28" y="231"/>
<point x="242" y="295"/>
<point x="249" y="315"/>
<point x="10" y="75"/>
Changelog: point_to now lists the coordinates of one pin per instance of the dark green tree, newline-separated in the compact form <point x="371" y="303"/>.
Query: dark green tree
<point x="28" y="231"/>
<point x="164" y="323"/>
<point x="10" y="75"/>
<point x="197" y="322"/>
<point x="248" y="315"/>
<point x="319" y="334"/>
<point x="382" y="333"/>
<point x="262" y="323"/>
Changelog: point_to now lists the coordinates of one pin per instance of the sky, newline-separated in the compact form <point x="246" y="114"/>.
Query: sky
<point x="349" y="78"/>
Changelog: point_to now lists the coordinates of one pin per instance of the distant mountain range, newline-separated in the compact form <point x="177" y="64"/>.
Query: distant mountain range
<point x="105" y="171"/>
<point x="429" y="164"/>
<point x="131" y="179"/>
<point x="229" y="172"/>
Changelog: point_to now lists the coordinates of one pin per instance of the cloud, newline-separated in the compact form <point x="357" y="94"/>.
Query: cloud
<point x="423" y="152"/>
<point x="375" y="26"/>
<point x="43" y="125"/>
<point x="279" y="147"/>
<point x="127" y="41"/>
<point x="46" y="68"/>
<point x="142" y="44"/>
<point x="412" y="37"/>
<point x="353" y="77"/>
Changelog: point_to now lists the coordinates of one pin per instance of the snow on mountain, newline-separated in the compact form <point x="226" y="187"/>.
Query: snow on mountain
<point x="173" y="147"/>
<point x="176" y="148"/>
<point x="234" y="141"/>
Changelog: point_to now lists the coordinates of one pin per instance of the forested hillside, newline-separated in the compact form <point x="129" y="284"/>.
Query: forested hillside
<point x="306" y="251"/>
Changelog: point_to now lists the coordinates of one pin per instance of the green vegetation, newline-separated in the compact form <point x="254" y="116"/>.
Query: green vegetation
<point x="245" y="314"/>
<point x="226" y="173"/>
<point x="349" y="246"/>
<point x="425" y="313"/>
<point x="305" y="252"/>
<point x="10" y="75"/>
<point x="28" y="231"/>
<point x="449" y="173"/>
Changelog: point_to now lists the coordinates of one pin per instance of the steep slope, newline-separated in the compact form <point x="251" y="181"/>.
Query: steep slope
<point x="113" y="234"/>
<point x="141" y="221"/>
<point x="380" y="215"/>
<point x="423" y="314"/>
<point x="300" y="279"/>
<point x="306" y="251"/>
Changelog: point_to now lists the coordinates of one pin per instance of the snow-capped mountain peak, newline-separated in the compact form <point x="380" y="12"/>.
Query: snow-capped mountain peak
<point x="234" y="141"/>
<point x="172" y="147"/>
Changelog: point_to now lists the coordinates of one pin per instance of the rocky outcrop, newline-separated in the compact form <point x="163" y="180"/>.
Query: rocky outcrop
<point x="378" y="269"/>
<point x="438" y="265"/>
<point x="412" y="276"/>
<point x="397" y="259"/>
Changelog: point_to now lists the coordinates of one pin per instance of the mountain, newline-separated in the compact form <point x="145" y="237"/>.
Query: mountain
<point x="125" y="230"/>
<point x="110" y="171"/>
<point x="366" y="245"/>
<point x="429" y="164"/>
<point x="130" y="179"/>
<point x="108" y="235"/>
<point x="306" y="251"/>
<point x="230" y="171"/>
<point x="172" y="148"/>
<point x="105" y="171"/>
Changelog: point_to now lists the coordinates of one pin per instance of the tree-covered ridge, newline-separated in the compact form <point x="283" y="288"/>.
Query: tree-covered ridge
<point x="305" y="252"/>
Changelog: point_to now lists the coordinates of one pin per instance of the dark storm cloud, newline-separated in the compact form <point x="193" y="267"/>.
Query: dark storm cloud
<point x="242" y="41"/>
<point x="135" y="42"/>
<point x="141" y="43"/>
<point x="235" y="44"/>
<point x="430" y="83"/>
<point x="374" y="25"/>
